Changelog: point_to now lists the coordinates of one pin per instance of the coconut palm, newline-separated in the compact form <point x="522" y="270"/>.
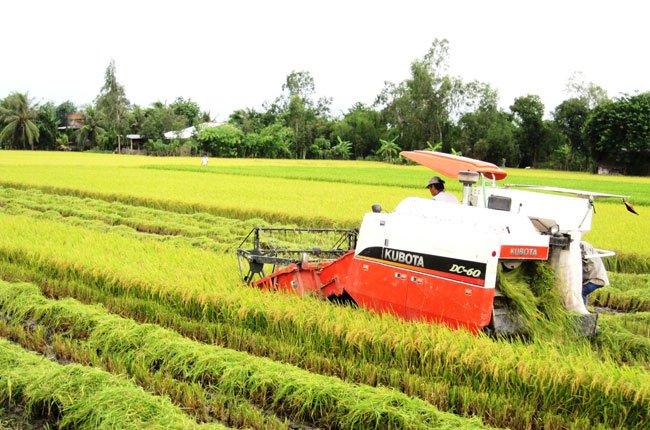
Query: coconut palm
<point x="16" y="116"/>
<point x="91" y="131"/>
<point x="48" y="124"/>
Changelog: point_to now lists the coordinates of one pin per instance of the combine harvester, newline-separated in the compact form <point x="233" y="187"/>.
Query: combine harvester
<point x="437" y="261"/>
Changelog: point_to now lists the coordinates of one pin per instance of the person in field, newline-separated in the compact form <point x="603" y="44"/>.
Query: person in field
<point x="204" y="160"/>
<point x="436" y="187"/>
<point x="594" y="275"/>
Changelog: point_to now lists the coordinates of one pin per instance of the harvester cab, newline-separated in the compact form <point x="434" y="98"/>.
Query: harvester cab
<point x="437" y="261"/>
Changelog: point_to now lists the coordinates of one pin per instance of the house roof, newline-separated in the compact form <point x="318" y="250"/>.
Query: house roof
<point x="188" y="132"/>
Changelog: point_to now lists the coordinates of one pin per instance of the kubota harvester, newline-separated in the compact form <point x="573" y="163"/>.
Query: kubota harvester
<point x="435" y="261"/>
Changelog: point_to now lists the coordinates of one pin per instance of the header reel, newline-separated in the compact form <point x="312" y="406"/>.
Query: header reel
<point x="279" y="246"/>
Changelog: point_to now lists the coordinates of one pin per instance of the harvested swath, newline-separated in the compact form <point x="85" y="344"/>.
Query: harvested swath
<point x="293" y="392"/>
<point x="627" y="292"/>
<point x="204" y="405"/>
<point x="541" y="374"/>
<point x="625" y="337"/>
<point x="625" y="262"/>
<point x="637" y="323"/>
<point x="501" y="409"/>
<point x="199" y="229"/>
<point x="83" y="397"/>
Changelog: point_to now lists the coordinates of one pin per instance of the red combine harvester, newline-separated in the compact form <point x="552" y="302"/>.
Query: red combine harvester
<point x="435" y="261"/>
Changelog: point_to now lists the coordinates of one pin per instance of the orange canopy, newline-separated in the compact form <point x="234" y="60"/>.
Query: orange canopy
<point x="449" y="165"/>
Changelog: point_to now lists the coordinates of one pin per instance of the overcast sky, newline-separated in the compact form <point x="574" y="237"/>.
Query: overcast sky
<point x="237" y="54"/>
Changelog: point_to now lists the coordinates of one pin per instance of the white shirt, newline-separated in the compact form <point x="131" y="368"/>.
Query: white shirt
<point x="444" y="196"/>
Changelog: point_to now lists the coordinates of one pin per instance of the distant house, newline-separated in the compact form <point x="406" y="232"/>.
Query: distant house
<point x="134" y="140"/>
<point x="188" y="132"/>
<point x="74" y="121"/>
<point x="611" y="168"/>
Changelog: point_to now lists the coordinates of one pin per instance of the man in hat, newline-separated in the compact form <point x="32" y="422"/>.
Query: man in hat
<point x="436" y="187"/>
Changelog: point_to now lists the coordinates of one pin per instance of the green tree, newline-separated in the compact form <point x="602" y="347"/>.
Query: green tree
<point x="570" y="117"/>
<point x="48" y="124"/>
<point x="63" y="110"/>
<point x="222" y="141"/>
<point x="18" y="116"/>
<point x="388" y="150"/>
<point x="488" y="134"/>
<point x="187" y="109"/>
<point x="306" y="117"/>
<point x="159" y="119"/>
<point x="91" y="132"/>
<point x="321" y="148"/>
<point x="619" y="131"/>
<point x="248" y="120"/>
<point x="528" y="115"/>
<point x="300" y="86"/>
<point x="275" y="141"/>
<point x="422" y="106"/>
<point x="587" y="92"/>
<point x="112" y="106"/>
<point x="63" y="142"/>
<point x="363" y="127"/>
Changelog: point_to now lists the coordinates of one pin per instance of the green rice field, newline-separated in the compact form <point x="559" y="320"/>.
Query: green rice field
<point x="121" y="306"/>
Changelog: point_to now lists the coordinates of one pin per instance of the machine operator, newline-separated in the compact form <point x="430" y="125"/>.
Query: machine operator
<point x="437" y="188"/>
<point x="594" y="274"/>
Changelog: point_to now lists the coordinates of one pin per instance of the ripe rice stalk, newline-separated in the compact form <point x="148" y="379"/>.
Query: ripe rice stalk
<point x="81" y="397"/>
<point x="195" y="191"/>
<point x="317" y="326"/>
<point x="624" y="262"/>
<point x="488" y="383"/>
<point x="324" y="400"/>
<point x="535" y="296"/>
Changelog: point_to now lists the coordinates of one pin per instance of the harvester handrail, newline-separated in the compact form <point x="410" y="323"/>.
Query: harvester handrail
<point x="600" y="253"/>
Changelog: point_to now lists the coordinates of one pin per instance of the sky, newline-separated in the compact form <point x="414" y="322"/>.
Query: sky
<point x="228" y="55"/>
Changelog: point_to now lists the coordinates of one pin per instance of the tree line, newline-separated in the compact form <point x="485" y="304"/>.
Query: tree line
<point x="428" y="110"/>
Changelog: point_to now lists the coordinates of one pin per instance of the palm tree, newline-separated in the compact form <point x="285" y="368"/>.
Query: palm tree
<point x="17" y="115"/>
<point x="48" y="124"/>
<point x="91" y="130"/>
<point x="388" y="149"/>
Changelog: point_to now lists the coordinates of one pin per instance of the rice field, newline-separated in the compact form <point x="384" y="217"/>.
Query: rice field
<point x="121" y="269"/>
